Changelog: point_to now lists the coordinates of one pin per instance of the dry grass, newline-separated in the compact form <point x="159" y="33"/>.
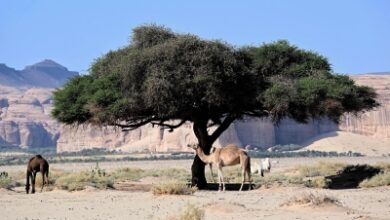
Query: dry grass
<point x="189" y="212"/>
<point x="172" y="187"/>
<point x="382" y="179"/>
<point x="312" y="200"/>
<point x="101" y="179"/>
<point x="79" y="180"/>
<point x="320" y="169"/>
<point x="6" y="181"/>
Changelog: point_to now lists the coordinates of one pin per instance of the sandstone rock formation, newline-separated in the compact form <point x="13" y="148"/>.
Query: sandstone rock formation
<point x="25" y="118"/>
<point x="254" y="132"/>
<point x="374" y="123"/>
<point x="25" y="122"/>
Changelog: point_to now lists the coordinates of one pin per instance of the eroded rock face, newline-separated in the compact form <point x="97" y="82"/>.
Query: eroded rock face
<point x="25" y="118"/>
<point x="26" y="122"/>
<point x="374" y="123"/>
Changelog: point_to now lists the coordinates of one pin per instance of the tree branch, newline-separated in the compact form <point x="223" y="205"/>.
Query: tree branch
<point x="170" y="126"/>
<point x="260" y="113"/>
<point x="224" y="125"/>
<point x="133" y="125"/>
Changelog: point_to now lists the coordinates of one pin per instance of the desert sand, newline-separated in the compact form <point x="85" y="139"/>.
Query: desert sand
<point x="137" y="202"/>
<point x="341" y="141"/>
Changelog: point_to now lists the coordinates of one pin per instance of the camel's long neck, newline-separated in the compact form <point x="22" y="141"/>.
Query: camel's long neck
<point x="205" y="158"/>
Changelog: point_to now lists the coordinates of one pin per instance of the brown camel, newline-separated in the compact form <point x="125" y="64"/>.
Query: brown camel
<point x="37" y="164"/>
<point x="227" y="156"/>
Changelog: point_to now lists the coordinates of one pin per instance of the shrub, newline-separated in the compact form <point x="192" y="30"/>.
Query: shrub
<point x="127" y="174"/>
<point x="382" y="179"/>
<point x="172" y="188"/>
<point x="312" y="200"/>
<point x="78" y="180"/>
<point x="189" y="212"/>
<point x="6" y="182"/>
<point x="317" y="182"/>
<point x="321" y="169"/>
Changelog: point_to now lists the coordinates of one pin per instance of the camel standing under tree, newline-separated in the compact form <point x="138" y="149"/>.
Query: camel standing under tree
<point x="227" y="156"/>
<point x="36" y="164"/>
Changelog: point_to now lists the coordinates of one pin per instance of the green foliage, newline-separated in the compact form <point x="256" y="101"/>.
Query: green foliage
<point x="70" y="102"/>
<point x="162" y="76"/>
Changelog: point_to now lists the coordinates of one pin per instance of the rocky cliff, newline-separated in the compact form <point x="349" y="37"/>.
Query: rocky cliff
<point x="253" y="132"/>
<point x="374" y="123"/>
<point x="25" y="119"/>
<point x="26" y="122"/>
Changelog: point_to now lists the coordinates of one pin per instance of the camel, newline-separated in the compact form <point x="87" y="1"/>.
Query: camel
<point x="37" y="164"/>
<point x="227" y="156"/>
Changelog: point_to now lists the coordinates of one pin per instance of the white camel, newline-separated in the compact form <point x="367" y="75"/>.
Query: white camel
<point x="263" y="166"/>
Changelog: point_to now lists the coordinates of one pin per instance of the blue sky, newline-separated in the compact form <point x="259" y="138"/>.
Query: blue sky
<point x="353" y="34"/>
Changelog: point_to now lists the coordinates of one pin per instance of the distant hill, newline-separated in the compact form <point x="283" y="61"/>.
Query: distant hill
<point x="46" y="73"/>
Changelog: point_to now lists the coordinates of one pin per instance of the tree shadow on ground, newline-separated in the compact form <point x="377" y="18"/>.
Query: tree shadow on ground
<point x="351" y="176"/>
<point x="228" y="186"/>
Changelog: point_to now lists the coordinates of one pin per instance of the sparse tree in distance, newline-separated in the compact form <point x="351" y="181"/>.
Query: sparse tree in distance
<point x="167" y="79"/>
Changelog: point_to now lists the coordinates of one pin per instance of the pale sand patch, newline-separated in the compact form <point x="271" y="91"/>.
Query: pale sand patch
<point x="344" y="141"/>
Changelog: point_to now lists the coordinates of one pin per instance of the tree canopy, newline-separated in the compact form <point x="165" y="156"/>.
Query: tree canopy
<point x="167" y="79"/>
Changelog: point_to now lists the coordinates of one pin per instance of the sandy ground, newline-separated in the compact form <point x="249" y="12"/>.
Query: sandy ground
<point x="340" y="141"/>
<point x="262" y="203"/>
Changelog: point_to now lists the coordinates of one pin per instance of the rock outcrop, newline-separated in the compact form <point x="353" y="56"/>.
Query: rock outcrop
<point x="375" y="123"/>
<point x="25" y="118"/>
<point x="25" y="121"/>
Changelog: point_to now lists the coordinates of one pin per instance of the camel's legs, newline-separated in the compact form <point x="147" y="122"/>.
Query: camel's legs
<point x="211" y="171"/>
<point x="221" y="178"/>
<point x="43" y="180"/>
<point x="33" y="177"/>
<point x="242" y="177"/>
<point x="47" y="176"/>
<point x="28" y="176"/>
<point x="249" y="179"/>
<point x="248" y="171"/>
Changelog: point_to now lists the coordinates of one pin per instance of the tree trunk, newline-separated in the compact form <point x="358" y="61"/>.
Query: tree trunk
<point x="198" y="173"/>
<point x="205" y="142"/>
<point x="198" y="167"/>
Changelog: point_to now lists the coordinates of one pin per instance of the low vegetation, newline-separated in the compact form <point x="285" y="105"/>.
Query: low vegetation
<point x="320" y="175"/>
<point x="79" y="180"/>
<point x="98" y="178"/>
<point x="172" y="187"/>
<point x="6" y="181"/>
<point x="312" y="199"/>
<point x="188" y="212"/>
<point x="381" y="179"/>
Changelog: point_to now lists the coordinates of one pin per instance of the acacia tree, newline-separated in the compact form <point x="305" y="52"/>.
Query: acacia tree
<point x="168" y="79"/>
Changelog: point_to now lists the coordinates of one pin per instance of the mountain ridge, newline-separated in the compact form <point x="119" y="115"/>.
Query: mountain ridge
<point x="46" y="73"/>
